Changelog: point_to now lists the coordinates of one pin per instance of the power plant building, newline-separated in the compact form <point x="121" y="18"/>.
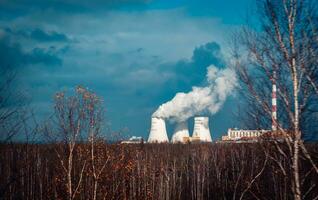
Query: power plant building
<point x="201" y="131"/>
<point x="158" y="132"/>
<point x="237" y="134"/>
<point x="181" y="133"/>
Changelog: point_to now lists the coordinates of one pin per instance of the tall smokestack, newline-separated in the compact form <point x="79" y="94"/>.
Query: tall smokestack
<point x="158" y="131"/>
<point x="201" y="129"/>
<point x="274" y="103"/>
<point x="181" y="131"/>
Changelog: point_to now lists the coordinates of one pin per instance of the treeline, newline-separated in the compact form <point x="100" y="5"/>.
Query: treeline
<point x="153" y="171"/>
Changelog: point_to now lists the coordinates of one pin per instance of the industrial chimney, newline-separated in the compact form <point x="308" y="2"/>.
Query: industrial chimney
<point x="158" y="131"/>
<point x="180" y="133"/>
<point x="201" y="129"/>
<point x="274" y="103"/>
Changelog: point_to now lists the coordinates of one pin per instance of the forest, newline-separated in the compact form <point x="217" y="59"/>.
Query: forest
<point x="153" y="171"/>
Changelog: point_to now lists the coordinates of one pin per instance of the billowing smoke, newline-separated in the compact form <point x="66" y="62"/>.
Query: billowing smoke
<point x="201" y="100"/>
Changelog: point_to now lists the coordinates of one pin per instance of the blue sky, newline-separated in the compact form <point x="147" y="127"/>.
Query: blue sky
<point x="135" y="54"/>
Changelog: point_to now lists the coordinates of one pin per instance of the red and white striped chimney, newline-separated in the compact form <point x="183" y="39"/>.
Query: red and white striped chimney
<point x="274" y="103"/>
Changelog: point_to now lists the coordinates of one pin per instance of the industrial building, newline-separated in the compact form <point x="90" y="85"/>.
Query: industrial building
<point x="133" y="140"/>
<point x="158" y="132"/>
<point x="201" y="131"/>
<point x="241" y="134"/>
<point x="238" y="134"/>
<point x="181" y="132"/>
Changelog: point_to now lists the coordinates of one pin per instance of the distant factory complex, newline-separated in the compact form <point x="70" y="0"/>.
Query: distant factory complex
<point x="201" y="131"/>
<point x="237" y="134"/>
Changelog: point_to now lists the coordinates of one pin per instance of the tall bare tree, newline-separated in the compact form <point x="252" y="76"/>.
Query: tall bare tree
<point x="71" y="113"/>
<point x="94" y="117"/>
<point x="282" y="50"/>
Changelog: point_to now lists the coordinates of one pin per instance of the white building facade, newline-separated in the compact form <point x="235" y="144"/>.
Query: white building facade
<point x="235" y="134"/>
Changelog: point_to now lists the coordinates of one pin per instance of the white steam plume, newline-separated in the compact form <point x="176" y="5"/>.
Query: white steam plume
<point x="200" y="100"/>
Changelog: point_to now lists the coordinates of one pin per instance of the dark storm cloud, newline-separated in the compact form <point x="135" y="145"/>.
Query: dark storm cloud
<point x="39" y="35"/>
<point x="192" y="72"/>
<point x="12" y="54"/>
<point x="208" y="54"/>
<point x="39" y="55"/>
<point x="13" y="8"/>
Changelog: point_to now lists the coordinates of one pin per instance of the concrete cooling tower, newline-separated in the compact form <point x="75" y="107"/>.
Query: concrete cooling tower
<point x="201" y="129"/>
<point x="181" y="131"/>
<point x="158" y="133"/>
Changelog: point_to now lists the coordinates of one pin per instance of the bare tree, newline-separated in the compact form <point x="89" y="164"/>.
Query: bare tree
<point x="283" y="51"/>
<point x="94" y="117"/>
<point x="72" y="122"/>
<point x="13" y="106"/>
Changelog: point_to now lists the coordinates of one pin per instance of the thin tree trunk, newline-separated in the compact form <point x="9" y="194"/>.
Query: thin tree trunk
<point x="69" y="176"/>
<point x="95" y="190"/>
<point x="297" y="195"/>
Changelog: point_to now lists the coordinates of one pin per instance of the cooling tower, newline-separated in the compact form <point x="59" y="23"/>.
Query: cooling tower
<point x="181" y="131"/>
<point x="201" y="129"/>
<point x="158" y="131"/>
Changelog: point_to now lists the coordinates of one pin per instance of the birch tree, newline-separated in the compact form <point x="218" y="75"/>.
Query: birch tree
<point x="281" y="50"/>
<point x="71" y="122"/>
